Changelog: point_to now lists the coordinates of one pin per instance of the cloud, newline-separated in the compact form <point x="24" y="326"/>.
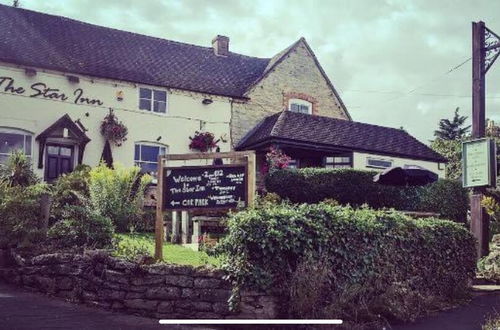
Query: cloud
<point x="388" y="59"/>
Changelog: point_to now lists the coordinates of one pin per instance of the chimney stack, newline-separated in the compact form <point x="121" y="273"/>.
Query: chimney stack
<point x="220" y="45"/>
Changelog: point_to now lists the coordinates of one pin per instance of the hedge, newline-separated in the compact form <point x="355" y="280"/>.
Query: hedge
<point x="392" y="259"/>
<point x="356" y="187"/>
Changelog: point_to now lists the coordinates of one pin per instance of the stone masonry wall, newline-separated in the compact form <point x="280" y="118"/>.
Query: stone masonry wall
<point x="159" y="291"/>
<point x="296" y="75"/>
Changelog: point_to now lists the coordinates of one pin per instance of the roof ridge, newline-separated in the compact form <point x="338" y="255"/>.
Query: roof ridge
<point x="124" y="31"/>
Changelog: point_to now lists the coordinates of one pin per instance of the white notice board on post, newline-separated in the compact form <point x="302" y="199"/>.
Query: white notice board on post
<point x="479" y="163"/>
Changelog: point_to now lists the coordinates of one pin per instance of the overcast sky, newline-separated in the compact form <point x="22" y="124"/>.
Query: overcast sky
<point x="387" y="59"/>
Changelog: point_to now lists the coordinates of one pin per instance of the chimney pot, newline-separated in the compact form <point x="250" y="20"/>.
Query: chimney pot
<point x="220" y="45"/>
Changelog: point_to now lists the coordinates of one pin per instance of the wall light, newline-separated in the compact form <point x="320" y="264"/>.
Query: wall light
<point x="207" y="101"/>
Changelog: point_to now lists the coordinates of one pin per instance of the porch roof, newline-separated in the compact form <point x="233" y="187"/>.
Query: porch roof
<point x="318" y="132"/>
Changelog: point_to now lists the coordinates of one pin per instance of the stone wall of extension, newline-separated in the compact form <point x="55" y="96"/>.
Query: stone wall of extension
<point x="296" y="76"/>
<point x="160" y="290"/>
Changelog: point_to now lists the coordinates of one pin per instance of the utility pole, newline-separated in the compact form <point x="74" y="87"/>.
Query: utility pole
<point x="485" y="50"/>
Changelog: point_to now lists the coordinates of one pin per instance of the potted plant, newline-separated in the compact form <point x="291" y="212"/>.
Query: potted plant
<point x="113" y="130"/>
<point x="203" y="141"/>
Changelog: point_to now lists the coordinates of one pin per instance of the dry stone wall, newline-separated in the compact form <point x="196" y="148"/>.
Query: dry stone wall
<point x="160" y="290"/>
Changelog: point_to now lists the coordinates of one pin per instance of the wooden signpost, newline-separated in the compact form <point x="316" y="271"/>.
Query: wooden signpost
<point x="485" y="50"/>
<point x="202" y="187"/>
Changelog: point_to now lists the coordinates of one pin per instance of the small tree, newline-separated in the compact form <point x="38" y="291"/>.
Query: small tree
<point x="452" y="129"/>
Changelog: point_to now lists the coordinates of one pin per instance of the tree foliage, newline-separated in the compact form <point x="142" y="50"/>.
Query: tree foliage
<point x="453" y="129"/>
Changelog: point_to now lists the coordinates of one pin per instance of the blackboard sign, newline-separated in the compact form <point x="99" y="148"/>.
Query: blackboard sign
<point x="205" y="187"/>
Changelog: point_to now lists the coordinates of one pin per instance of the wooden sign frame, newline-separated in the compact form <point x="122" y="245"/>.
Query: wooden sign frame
<point x="248" y="158"/>
<point x="210" y="167"/>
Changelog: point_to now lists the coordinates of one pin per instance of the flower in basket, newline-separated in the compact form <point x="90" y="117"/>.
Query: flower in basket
<point x="113" y="130"/>
<point x="203" y="141"/>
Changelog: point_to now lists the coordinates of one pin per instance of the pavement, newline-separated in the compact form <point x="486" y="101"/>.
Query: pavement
<point x="468" y="317"/>
<point x="21" y="310"/>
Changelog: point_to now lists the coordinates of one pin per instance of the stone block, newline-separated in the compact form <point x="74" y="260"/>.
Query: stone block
<point x="221" y="308"/>
<point x="206" y="315"/>
<point x="179" y="280"/>
<point x="207" y="283"/>
<point x="182" y="270"/>
<point x="189" y="293"/>
<point x="202" y="306"/>
<point x="141" y="304"/>
<point x="148" y="280"/>
<point x="165" y="307"/>
<point x="214" y="295"/>
<point x="114" y="276"/>
<point x="52" y="259"/>
<point x="159" y="269"/>
<point x="164" y="293"/>
<point x="64" y="283"/>
<point x="111" y="294"/>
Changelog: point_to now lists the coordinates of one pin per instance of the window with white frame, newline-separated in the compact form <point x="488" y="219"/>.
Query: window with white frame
<point x="152" y="100"/>
<point x="378" y="163"/>
<point x="337" y="162"/>
<point x="299" y="105"/>
<point x="14" y="139"/>
<point x="146" y="156"/>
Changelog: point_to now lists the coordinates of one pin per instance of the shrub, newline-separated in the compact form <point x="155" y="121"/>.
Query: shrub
<point x="18" y="171"/>
<point x="118" y="194"/>
<point x="387" y="255"/>
<point x="20" y="215"/>
<point x="131" y="247"/>
<point x="355" y="187"/>
<point x="70" y="189"/>
<point x="81" y="227"/>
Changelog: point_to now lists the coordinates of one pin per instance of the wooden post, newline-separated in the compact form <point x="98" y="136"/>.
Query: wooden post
<point x="251" y="169"/>
<point x="479" y="219"/>
<point x="159" y="232"/>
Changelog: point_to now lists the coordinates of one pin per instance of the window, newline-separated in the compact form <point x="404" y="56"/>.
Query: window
<point x="378" y="163"/>
<point x="337" y="162"/>
<point x="153" y="100"/>
<point x="293" y="163"/>
<point x="14" y="139"/>
<point x="301" y="106"/>
<point x="146" y="156"/>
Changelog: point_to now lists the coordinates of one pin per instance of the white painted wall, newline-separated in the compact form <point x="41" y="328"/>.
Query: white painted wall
<point x="360" y="162"/>
<point x="184" y="113"/>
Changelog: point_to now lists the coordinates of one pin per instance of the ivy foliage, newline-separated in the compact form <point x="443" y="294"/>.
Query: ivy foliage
<point x="356" y="187"/>
<point x="376" y="251"/>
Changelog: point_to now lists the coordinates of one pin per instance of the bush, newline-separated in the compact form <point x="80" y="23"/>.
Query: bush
<point x="395" y="261"/>
<point x="70" y="189"/>
<point x="18" y="171"/>
<point x="118" y="194"/>
<point x="20" y="215"/>
<point x="355" y="187"/>
<point x="81" y="227"/>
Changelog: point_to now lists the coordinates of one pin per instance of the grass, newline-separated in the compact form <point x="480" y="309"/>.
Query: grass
<point x="131" y="244"/>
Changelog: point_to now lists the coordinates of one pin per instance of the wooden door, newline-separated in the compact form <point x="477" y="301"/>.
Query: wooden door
<point x="59" y="160"/>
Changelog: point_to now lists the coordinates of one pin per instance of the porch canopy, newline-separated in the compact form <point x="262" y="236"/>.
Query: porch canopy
<point x="305" y="133"/>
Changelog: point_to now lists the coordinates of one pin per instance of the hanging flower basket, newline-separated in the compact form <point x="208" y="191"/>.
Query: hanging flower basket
<point x="275" y="160"/>
<point x="113" y="130"/>
<point x="203" y="141"/>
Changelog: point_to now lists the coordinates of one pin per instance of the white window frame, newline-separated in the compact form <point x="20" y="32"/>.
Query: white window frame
<point x="150" y="144"/>
<point x="300" y="102"/>
<point x="152" y="100"/>
<point x="380" y="160"/>
<point x="334" y="162"/>
<point x="294" y="163"/>
<point x="25" y="134"/>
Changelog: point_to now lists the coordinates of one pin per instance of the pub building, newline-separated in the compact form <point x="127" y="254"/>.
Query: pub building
<point x="59" y="79"/>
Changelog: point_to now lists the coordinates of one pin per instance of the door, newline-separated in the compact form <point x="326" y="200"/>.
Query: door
<point x="59" y="160"/>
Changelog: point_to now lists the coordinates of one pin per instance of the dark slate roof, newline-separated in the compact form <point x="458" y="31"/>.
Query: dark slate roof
<point x="52" y="42"/>
<point x="287" y="126"/>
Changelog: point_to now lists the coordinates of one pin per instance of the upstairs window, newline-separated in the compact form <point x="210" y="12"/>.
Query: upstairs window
<point x="13" y="139"/>
<point x="337" y="162"/>
<point x="378" y="163"/>
<point x="153" y="100"/>
<point x="146" y="156"/>
<point x="301" y="106"/>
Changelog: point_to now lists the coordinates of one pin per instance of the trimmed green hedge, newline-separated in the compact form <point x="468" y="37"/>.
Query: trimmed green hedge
<point x="356" y="187"/>
<point x="393" y="260"/>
